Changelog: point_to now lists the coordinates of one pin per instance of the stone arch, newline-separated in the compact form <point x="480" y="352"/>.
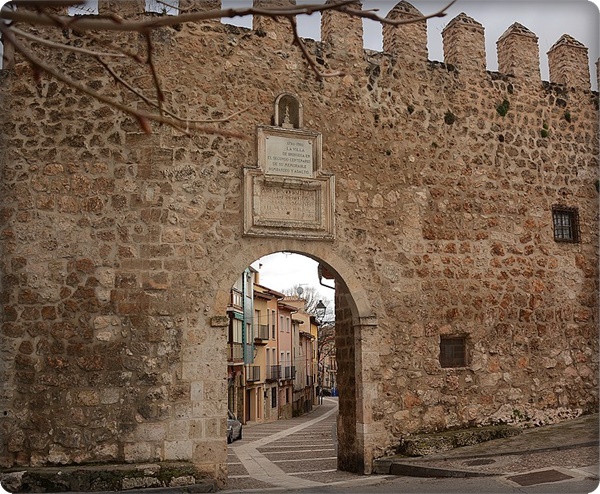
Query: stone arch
<point x="354" y="321"/>
<point x="232" y="266"/>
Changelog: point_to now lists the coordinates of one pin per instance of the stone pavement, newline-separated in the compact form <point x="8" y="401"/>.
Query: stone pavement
<point x="291" y="454"/>
<point x="549" y="451"/>
<point x="301" y="453"/>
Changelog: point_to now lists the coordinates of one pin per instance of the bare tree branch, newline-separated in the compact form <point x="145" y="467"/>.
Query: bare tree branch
<point x="300" y="44"/>
<point x="148" y="101"/>
<point x="370" y="14"/>
<point x="117" y="23"/>
<point x="39" y="16"/>
<point x="144" y="118"/>
<point x="62" y="46"/>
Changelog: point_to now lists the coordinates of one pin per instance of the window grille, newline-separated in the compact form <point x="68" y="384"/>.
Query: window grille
<point x="87" y="7"/>
<point x="169" y="7"/>
<point x="273" y="397"/>
<point x="453" y="351"/>
<point x="566" y="224"/>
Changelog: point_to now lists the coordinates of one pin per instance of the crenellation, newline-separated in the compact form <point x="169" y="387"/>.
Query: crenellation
<point x="406" y="42"/>
<point x="518" y="53"/>
<point x="122" y="8"/>
<point x="186" y="6"/>
<point x="273" y="27"/>
<point x="568" y="63"/>
<point x="464" y="44"/>
<point x="342" y="32"/>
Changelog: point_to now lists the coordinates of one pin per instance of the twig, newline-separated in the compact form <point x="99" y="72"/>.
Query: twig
<point x="298" y="41"/>
<point x="60" y="46"/>
<point x="144" y="118"/>
<point x="116" y="23"/>
<point x="160" y="97"/>
<point x="174" y="116"/>
<point x="370" y="14"/>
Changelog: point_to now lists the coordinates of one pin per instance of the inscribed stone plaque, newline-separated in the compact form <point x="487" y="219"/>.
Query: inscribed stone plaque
<point x="289" y="156"/>
<point x="288" y="205"/>
<point x="287" y="194"/>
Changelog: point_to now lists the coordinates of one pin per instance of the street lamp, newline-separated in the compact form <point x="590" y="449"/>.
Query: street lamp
<point x="320" y="310"/>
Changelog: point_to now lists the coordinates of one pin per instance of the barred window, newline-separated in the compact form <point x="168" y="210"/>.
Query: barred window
<point x="453" y="351"/>
<point x="86" y="7"/>
<point x="566" y="224"/>
<point x="169" y="7"/>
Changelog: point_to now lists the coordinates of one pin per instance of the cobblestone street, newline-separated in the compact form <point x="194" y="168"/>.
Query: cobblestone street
<point x="300" y="452"/>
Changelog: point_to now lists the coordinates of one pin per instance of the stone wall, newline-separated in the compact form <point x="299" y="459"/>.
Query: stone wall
<point x="118" y="248"/>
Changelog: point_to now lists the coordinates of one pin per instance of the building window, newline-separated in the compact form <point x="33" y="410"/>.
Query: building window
<point x="87" y="7"/>
<point x="169" y="7"/>
<point x="566" y="224"/>
<point x="273" y="322"/>
<point x="453" y="351"/>
<point x="273" y="397"/>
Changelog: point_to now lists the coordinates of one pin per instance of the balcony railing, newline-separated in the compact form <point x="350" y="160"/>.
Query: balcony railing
<point x="273" y="372"/>
<point x="253" y="373"/>
<point x="236" y="351"/>
<point x="289" y="372"/>
<point x="236" y="299"/>
<point x="262" y="333"/>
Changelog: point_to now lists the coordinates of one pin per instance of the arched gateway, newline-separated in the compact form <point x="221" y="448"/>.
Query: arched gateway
<point x="456" y="207"/>
<point x="356" y="341"/>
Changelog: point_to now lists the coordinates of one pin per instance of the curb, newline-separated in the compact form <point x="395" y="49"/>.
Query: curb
<point x="391" y="467"/>
<point x="412" y="470"/>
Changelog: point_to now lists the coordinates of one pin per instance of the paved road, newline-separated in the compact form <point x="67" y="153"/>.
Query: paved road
<point x="296" y="453"/>
<point x="299" y="455"/>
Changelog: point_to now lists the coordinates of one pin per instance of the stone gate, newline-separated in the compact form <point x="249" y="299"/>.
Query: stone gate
<point x="457" y="208"/>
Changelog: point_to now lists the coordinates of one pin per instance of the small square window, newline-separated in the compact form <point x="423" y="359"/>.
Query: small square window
<point x="169" y="7"/>
<point x="453" y="351"/>
<point x="566" y="224"/>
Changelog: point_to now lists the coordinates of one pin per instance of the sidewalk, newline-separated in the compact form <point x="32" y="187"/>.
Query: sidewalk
<point x="572" y="445"/>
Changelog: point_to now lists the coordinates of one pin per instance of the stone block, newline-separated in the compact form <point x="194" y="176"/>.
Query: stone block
<point x="178" y="450"/>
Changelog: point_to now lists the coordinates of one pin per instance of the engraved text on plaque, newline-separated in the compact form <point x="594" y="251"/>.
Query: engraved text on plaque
<point x="289" y="156"/>
<point x="287" y="194"/>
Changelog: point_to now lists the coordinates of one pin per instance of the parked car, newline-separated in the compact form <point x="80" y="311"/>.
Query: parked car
<point x="234" y="427"/>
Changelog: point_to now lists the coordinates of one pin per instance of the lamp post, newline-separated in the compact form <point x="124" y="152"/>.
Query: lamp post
<point x="320" y="310"/>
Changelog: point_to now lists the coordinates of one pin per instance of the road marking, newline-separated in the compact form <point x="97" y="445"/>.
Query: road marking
<point x="308" y="472"/>
<point x="295" y="451"/>
<point x="307" y="459"/>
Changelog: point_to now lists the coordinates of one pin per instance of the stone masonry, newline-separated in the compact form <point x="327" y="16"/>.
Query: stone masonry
<point x="119" y="248"/>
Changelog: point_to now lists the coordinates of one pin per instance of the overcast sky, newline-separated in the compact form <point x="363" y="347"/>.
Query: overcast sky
<point x="548" y="19"/>
<point x="280" y="271"/>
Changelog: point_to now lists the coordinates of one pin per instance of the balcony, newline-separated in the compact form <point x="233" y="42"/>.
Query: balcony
<point x="235" y="300"/>
<point x="235" y="352"/>
<point x="289" y="372"/>
<point x="262" y="334"/>
<point x="273" y="372"/>
<point x="253" y="373"/>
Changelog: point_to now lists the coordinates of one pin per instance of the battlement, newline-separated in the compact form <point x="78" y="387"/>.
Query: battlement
<point x="463" y="40"/>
